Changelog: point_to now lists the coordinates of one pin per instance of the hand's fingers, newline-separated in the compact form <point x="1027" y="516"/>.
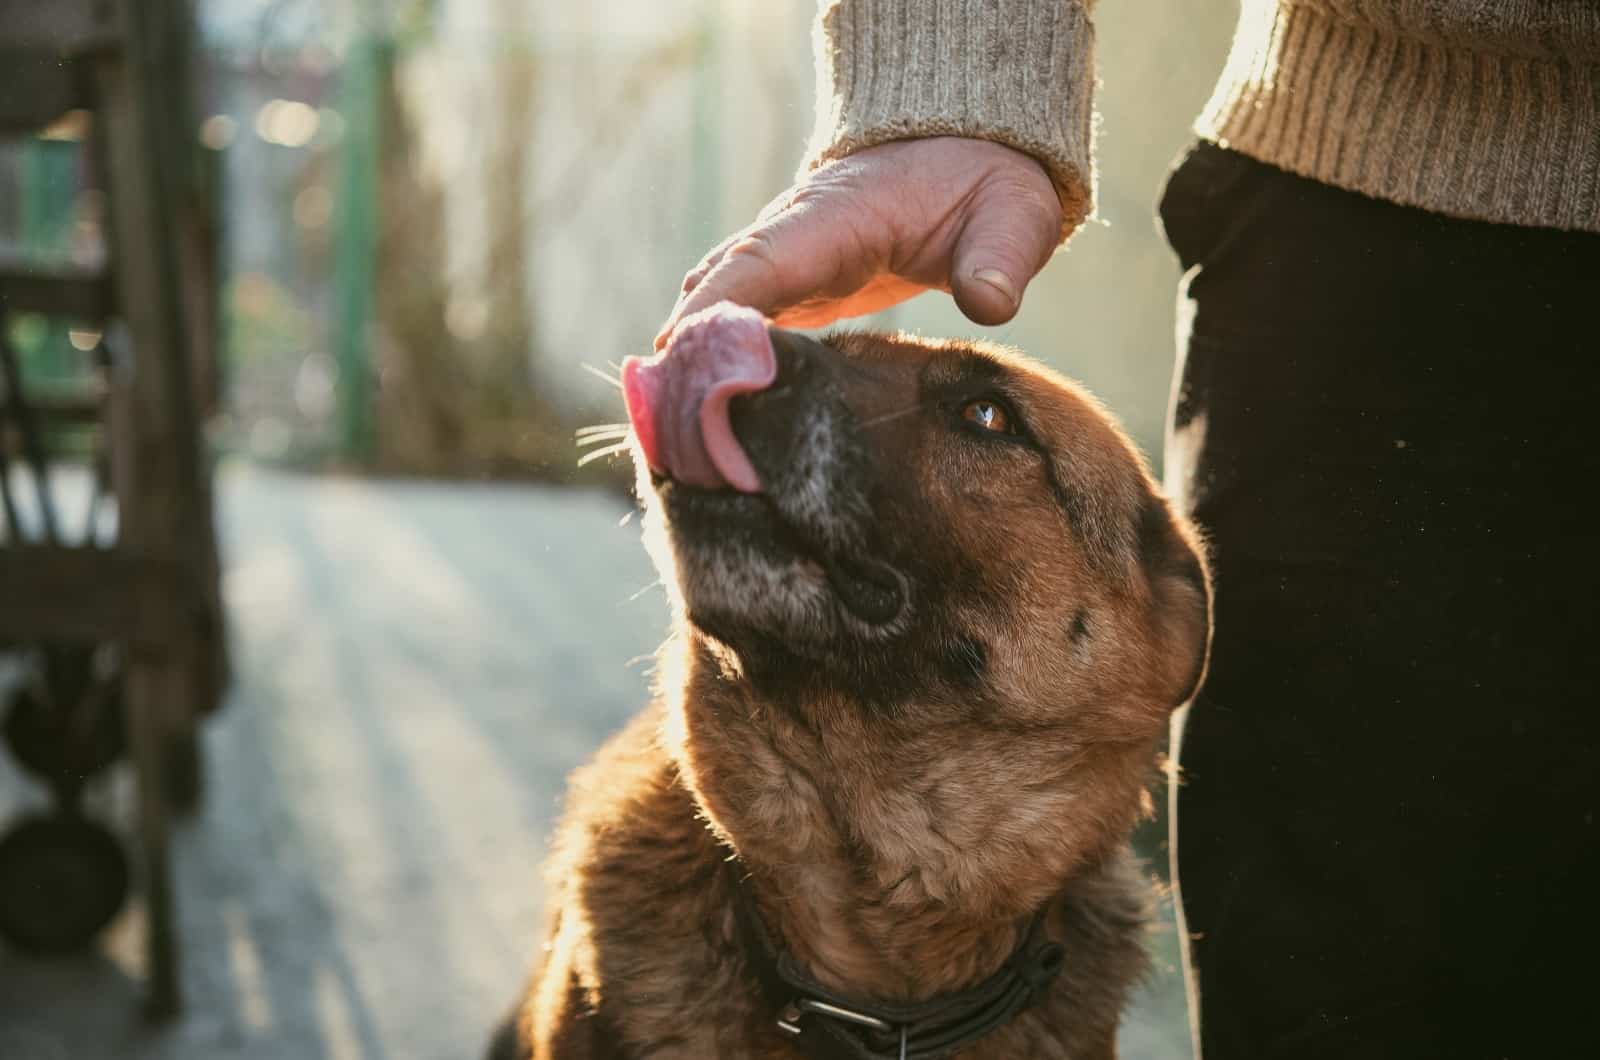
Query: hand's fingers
<point x="796" y="256"/>
<point x="779" y="204"/>
<point x="1007" y="238"/>
<point x="747" y="272"/>
<point x="885" y="291"/>
<point x="691" y="280"/>
<point x="694" y="276"/>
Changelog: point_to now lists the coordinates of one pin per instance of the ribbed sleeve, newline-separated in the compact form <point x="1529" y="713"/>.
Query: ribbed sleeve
<point x="1017" y="72"/>
<point x="1430" y="104"/>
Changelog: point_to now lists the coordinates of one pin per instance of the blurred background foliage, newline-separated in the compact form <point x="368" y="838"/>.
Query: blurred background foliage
<point x="438" y="213"/>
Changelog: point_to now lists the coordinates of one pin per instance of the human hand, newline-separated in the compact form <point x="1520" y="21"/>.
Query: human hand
<point x="969" y="217"/>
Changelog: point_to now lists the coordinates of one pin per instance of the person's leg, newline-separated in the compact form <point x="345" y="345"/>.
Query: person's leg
<point x="1386" y="819"/>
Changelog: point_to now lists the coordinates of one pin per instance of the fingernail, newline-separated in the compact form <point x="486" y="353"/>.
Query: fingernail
<point x="999" y="281"/>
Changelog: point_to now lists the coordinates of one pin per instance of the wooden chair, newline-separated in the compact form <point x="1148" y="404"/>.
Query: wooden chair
<point x="153" y="592"/>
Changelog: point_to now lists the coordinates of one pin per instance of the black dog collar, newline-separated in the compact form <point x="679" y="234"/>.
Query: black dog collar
<point x="827" y="1026"/>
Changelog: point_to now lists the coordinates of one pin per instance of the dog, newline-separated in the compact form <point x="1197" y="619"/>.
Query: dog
<point x="930" y="618"/>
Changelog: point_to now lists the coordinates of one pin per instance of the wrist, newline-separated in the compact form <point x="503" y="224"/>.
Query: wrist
<point x="1022" y="79"/>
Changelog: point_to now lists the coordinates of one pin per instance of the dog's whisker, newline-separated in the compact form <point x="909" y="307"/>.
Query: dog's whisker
<point x="615" y="380"/>
<point x="628" y="518"/>
<point x="604" y="451"/>
<point x="592" y="439"/>
<point x="653" y="585"/>
<point x="600" y="428"/>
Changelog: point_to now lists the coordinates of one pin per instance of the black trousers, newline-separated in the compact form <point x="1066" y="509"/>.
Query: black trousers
<point x="1386" y="828"/>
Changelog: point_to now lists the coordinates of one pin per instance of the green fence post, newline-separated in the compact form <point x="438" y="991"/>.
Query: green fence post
<point x="355" y="259"/>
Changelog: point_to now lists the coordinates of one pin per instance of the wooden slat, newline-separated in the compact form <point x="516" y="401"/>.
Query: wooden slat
<point x="80" y="292"/>
<point x="69" y="404"/>
<point x="36" y="88"/>
<point x="63" y="27"/>
<point x="50" y="592"/>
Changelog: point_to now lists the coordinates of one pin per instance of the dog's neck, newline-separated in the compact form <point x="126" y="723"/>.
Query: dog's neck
<point x="889" y="863"/>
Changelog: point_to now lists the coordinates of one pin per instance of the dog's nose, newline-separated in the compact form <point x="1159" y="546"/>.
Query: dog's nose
<point x="678" y="400"/>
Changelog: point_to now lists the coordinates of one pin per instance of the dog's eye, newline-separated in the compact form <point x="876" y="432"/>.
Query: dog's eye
<point x="990" y="415"/>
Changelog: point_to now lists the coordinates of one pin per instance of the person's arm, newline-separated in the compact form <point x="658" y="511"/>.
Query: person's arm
<point x="951" y="151"/>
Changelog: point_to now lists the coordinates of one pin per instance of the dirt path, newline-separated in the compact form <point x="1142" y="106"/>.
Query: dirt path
<point x="418" y="668"/>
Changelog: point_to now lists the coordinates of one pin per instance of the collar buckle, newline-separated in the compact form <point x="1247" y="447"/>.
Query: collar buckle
<point x="789" y="1018"/>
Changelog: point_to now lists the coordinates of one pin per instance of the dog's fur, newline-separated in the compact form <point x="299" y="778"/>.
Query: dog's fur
<point x="917" y="687"/>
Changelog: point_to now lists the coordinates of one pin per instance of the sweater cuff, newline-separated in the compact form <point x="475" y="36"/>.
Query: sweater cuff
<point x="1018" y="73"/>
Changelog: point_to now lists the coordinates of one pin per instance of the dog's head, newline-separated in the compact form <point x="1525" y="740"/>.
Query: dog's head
<point x="914" y="526"/>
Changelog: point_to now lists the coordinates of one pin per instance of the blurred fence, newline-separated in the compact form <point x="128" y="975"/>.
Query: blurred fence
<point x="436" y="213"/>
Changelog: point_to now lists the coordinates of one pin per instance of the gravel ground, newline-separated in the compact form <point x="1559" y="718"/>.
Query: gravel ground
<point x="418" y="667"/>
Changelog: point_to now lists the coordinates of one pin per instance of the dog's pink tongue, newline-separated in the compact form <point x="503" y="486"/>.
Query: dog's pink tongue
<point x="678" y="400"/>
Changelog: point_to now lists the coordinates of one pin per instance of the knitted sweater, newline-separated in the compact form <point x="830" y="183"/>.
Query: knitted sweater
<point x="1484" y="109"/>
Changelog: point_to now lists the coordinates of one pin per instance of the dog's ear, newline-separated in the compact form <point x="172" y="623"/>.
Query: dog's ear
<point x="1180" y="588"/>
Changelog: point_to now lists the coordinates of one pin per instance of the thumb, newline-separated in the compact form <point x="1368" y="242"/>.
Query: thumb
<point x="1007" y="238"/>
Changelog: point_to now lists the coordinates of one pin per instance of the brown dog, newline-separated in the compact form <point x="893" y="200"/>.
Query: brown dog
<point x="931" y="616"/>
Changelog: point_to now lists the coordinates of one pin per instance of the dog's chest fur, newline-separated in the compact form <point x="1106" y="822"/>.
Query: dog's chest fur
<point x="643" y="943"/>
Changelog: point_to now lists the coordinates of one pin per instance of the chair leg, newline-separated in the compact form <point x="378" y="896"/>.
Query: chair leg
<point x="152" y="684"/>
<point x="157" y="450"/>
